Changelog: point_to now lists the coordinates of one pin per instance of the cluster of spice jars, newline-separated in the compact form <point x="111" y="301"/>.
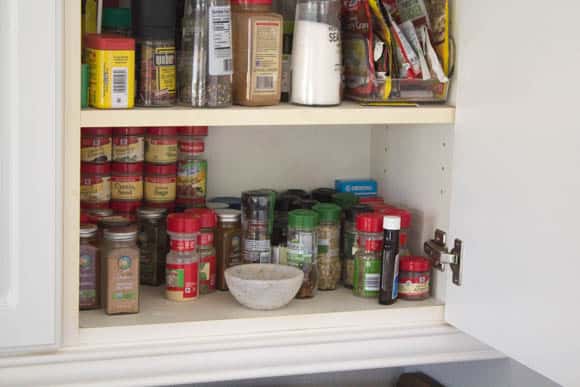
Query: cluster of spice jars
<point x="207" y="252"/>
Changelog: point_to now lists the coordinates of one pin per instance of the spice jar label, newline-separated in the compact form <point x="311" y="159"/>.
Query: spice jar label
<point x="367" y="276"/>
<point x="123" y="281"/>
<point x="160" y="189"/>
<point x="207" y="274"/>
<point x="164" y="59"/>
<point x="299" y="251"/>
<point x="127" y="188"/>
<point x="88" y="276"/>
<point x="112" y="78"/>
<point x="191" y="179"/>
<point x="96" y="189"/>
<point x="206" y="238"/>
<point x="182" y="245"/>
<point x="191" y="148"/>
<point x="413" y="286"/>
<point x="220" y="41"/>
<point x="161" y="150"/>
<point x="267" y="57"/>
<point x="96" y="149"/>
<point x="182" y="281"/>
<point x="128" y="149"/>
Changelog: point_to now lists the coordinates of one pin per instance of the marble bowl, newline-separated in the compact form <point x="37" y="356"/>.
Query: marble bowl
<point x="264" y="286"/>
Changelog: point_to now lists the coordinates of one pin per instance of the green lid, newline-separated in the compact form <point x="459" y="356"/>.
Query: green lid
<point x="117" y="17"/>
<point x="327" y="212"/>
<point x="345" y="199"/>
<point x="303" y="219"/>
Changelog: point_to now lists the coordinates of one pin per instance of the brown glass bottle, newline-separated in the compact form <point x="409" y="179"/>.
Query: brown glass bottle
<point x="228" y="243"/>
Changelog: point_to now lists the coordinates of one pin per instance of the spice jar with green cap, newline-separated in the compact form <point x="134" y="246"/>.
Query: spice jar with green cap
<point x="302" y="249"/>
<point x="117" y="21"/>
<point x="329" y="267"/>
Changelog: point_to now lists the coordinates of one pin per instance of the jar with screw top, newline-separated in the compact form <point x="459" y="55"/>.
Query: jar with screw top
<point x="228" y="243"/>
<point x="89" y="268"/>
<point x="329" y="268"/>
<point x="95" y="185"/>
<point x="350" y="243"/>
<point x="95" y="216"/>
<point x="207" y="252"/>
<point x="128" y="145"/>
<point x="191" y="142"/>
<point x="160" y="185"/>
<point x="256" y="235"/>
<point x="182" y="268"/>
<point x="96" y="145"/>
<point x="152" y="245"/>
<point x="345" y="200"/>
<point x="122" y="270"/>
<point x="368" y="256"/>
<point x="302" y="249"/>
<point x="414" y="278"/>
<point x="127" y="182"/>
<point x="161" y="145"/>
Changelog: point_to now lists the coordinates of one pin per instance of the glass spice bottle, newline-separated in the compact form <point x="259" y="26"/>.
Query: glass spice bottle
<point x="207" y="252"/>
<point x="329" y="267"/>
<point x="89" y="268"/>
<point x="205" y="62"/>
<point x="228" y="243"/>
<point x="256" y="235"/>
<point x="302" y="249"/>
<point x="152" y="245"/>
<point x="350" y="236"/>
<point x="368" y="256"/>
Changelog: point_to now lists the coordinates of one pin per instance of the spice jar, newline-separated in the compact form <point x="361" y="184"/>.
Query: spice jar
<point x="95" y="185"/>
<point x="122" y="270"/>
<point x="127" y="182"/>
<point x="256" y="246"/>
<point x="368" y="256"/>
<point x="228" y="244"/>
<point x="129" y="145"/>
<point x="323" y="195"/>
<point x="206" y="64"/>
<point x="414" y="278"/>
<point x="257" y="42"/>
<point x="207" y="252"/>
<point x="160" y="181"/>
<point x="284" y="204"/>
<point x="96" y="145"/>
<point x="350" y="243"/>
<point x="117" y="21"/>
<point x="156" y="54"/>
<point x="182" y="268"/>
<point x="345" y="200"/>
<point x="191" y="142"/>
<point x="89" y="268"/>
<point x="191" y="182"/>
<point x="329" y="268"/>
<point x="316" y="53"/>
<point x="95" y="216"/>
<point x="302" y="249"/>
<point x="152" y="245"/>
<point x="161" y="145"/>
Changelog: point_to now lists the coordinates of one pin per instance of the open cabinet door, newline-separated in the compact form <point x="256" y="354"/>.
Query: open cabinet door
<point x="29" y="176"/>
<point x="516" y="186"/>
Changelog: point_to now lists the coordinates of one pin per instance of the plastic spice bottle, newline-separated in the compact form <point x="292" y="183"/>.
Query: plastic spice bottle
<point x="160" y="183"/>
<point x="414" y="278"/>
<point x="368" y="256"/>
<point x="182" y="268"/>
<point x="207" y="252"/>
<point x="329" y="267"/>
<point x="122" y="270"/>
<point x="349" y="243"/>
<point x="153" y="245"/>
<point x="161" y="145"/>
<point x="257" y="41"/>
<point x="191" y="142"/>
<point x="127" y="182"/>
<point x="156" y="53"/>
<point x="90" y="268"/>
<point x="302" y="249"/>
<point x="191" y="167"/>
<point x="228" y="244"/>
<point x="129" y="145"/>
<point x="96" y="145"/>
<point x="117" y="21"/>
<point x="95" y="185"/>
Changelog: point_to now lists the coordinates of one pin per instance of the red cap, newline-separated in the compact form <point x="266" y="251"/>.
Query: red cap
<point x="96" y="169"/>
<point x="160" y="169"/>
<point x="403" y="214"/>
<point x="371" y="199"/>
<point x="251" y="2"/>
<point x="193" y="130"/>
<point x="96" y="131"/>
<point x="134" y="131"/>
<point x="94" y="205"/>
<point x="109" y="42"/>
<point x="128" y="168"/>
<point x="208" y="217"/>
<point x="85" y="218"/>
<point x="379" y="206"/>
<point x="162" y="131"/>
<point x="183" y="223"/>
<point x="125" y="206"/>
<point x="415" y="264"/>
<point x="369" y="222"/>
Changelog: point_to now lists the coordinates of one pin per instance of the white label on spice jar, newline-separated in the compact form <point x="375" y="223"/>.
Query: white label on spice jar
<point x="220" y="41"/>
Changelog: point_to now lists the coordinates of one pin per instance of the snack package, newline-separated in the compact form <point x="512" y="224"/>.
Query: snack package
<point x="409" y="30"/>
<point x="432" y="58"/>
<point x="414" y="11"/>
<point x="440" y="30"/>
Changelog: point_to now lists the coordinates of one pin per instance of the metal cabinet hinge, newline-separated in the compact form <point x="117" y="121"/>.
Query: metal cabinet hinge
<point x="437" y="250"/>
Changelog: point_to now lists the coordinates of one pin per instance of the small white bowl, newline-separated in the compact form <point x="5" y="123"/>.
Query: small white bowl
<point x="264" y="286"/>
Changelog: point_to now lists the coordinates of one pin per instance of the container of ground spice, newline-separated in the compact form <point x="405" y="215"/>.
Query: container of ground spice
<point x="329" y="267"/>
<point x="95" y="185"/>
<point x="302" y="249"/>
<point x="257" y="40"/>
<point x="127" y="182"/>
<point x="122" y="267"/>
<point x="161" y="145"/>
<point x="207" y="252"/>
<point x="256" y="235"/>
<point x="129" y="145"/>
<point x="228" y="243"/>
<point x="89" y="268"/>
<point x="153" y="245"/>
<point x="96" y="145"/>
<point x="160" y="185"/>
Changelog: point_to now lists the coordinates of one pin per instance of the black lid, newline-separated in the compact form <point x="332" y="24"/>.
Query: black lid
<point x="155" y="19"/>
<point x="357" y="209"/>
<point x="256" y="205"/>
<point x="287" y="202"/>
<point x="297" y="192"/>
<point x="307" y="204"/>
<point x="323" y="195"/>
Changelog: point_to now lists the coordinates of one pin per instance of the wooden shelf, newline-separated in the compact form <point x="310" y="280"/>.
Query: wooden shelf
<point x="348" y="113"/>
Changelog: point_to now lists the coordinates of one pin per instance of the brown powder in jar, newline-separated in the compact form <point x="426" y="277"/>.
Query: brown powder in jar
<point x="257" y="43"/>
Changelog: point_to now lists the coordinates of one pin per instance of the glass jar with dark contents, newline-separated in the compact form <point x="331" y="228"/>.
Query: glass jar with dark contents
<point x="153" y="245"/>
<point x="89" y="268"/>
<point x="228" y="243"/>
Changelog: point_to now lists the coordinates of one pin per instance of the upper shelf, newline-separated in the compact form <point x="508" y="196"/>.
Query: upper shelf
<point x="348" y="113"/>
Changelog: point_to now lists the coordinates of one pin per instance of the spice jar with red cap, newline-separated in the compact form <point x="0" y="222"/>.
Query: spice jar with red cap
<point x="414" y="278"/>
<point x="207" y="252"/>
<point x="95" y="185"/>
<point x="191" y="142"/>
<point x="96" y="145"/>
<point x="161" y="145"/>
<point x="182" y="267"/>
<point x="160" y="182"/>
<point x="406" y="218"/>
<point x="368" y="257"/>
<point x="127" y="182"/>
<point x="129" y="145"/>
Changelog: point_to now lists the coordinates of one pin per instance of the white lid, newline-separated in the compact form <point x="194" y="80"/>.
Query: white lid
<point x="392" y="223"/>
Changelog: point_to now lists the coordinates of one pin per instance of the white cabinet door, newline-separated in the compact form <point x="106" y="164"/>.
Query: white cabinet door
<point x="29" y="174"/>
<point x="516" y="186"/>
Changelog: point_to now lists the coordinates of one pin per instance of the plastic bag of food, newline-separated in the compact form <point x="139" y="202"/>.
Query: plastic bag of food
<point x="440" y="30"/>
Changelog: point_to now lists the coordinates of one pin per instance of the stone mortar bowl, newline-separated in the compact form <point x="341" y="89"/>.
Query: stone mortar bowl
<point x="264" y="286"/>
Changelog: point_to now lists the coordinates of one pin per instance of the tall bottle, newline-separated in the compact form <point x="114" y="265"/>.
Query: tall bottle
<point x="389" y="288"/>
<point x="287" y="8"/>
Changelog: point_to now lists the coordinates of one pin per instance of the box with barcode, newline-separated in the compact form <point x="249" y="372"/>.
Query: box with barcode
<point x="111" y="61"/>
<point x="359" y="187"/>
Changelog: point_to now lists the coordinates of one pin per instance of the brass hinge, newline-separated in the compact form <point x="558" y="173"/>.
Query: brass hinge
<point x="437" y="250"/>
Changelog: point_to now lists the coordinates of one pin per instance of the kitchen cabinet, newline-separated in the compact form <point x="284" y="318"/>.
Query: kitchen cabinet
<point x="498" y="172"/>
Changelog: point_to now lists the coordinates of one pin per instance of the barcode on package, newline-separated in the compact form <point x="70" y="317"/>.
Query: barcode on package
<point x="372" y="282"/>
<point x="220" y="41"/>
<point x="264" y="82"/>
<point x="119" y="87"/>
